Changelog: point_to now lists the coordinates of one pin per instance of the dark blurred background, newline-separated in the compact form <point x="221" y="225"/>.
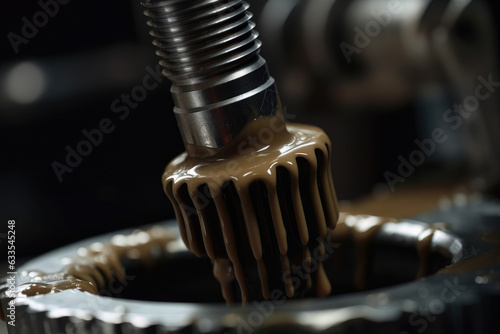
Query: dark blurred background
<point x="66" y="67"/>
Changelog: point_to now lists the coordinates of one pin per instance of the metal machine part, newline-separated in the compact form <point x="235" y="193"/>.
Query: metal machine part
<point x="338" y="42"/>
<point x="355" y="55"/>
<point x="253" y="193"/>
<point x="211" y="55"/>
<point x="459" y="302"/>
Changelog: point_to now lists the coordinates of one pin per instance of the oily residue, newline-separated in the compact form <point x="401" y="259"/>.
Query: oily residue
<point x="97" y="266"/>
<point x="34" y="289"/>
<point x="362" y="230"/>
<point x="258" y="208"/>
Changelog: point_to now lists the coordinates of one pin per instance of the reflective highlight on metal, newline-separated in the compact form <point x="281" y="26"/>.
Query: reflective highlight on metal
<point x="441" y="302"/>
<point x="211" y="54"/>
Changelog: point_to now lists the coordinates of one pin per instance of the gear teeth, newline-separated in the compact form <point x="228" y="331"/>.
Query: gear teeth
<point x="468" y="305"/>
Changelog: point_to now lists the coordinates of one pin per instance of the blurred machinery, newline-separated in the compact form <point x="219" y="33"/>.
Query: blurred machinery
<point x="379" y="76"/>
<point x="374" y="103"/>
<point x="347" y="60"/>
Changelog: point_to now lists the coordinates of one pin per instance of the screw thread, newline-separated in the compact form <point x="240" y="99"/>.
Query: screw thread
<point x="202" y="39"/>
<point x="210" y="53"/>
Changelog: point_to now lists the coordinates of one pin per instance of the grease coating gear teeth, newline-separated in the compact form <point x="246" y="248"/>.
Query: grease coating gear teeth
<point x="256" y="210"/>
<point x="266" y="221"/>
<point x="463" y="302"/>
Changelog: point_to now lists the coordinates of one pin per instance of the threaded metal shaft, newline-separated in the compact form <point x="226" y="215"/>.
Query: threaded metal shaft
<point x="202" y="39"/>
<point x="211" y="54"/>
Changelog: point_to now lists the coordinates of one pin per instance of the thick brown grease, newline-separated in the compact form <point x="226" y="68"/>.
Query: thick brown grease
<point x="34" y="289"/>
<point x="97" y="265"/>
<point x="362" y="229"/>
<point x="261" y="205"/>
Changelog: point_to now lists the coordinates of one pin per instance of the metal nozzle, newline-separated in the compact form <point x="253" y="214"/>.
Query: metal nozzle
<point x="211" y="55"/>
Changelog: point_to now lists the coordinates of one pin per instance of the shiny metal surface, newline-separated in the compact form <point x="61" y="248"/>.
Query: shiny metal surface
<point x="211" y="54"/>
<point x="395" y="308"/>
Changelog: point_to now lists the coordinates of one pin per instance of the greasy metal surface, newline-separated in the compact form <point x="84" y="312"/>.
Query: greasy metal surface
<point x="457" y="302"/>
